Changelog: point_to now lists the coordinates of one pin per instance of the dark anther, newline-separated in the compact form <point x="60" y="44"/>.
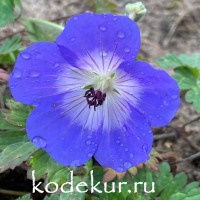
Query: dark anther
<point x="94" y="97"/>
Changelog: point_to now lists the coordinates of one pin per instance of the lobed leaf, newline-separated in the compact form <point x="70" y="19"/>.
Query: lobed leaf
<point x="40" y="30"/>
<point x="187" y="73"/>
<point x="10" y="49"/>
<point x="45" y="166"/>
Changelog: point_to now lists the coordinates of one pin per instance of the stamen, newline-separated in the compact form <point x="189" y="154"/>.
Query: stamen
<point x="94" y="97"/>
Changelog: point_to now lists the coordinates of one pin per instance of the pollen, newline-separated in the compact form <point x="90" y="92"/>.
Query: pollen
<point x="95" y="97"/>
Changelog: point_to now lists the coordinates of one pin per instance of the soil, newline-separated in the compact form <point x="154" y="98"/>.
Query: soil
<point x="168" y="27"/>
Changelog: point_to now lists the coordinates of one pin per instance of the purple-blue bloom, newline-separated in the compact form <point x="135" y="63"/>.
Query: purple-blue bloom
<point x="92" y="97"/>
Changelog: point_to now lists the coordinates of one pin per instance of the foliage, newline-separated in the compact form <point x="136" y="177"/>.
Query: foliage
<point x="167" y="187"/>
<point x="187" y="73"/>
<point x="37" y="30"/>
<point x="15" y="147"/>
<point x="103" y="6"/>
<point x="7" y="10"/>
<point x="43" y="165"/>
<point x="9" y="50"/>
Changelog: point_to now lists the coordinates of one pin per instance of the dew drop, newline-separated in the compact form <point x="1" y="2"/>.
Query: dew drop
<point x="165" y="103"/>
<point x="127" y="49"/>
<point x="34" y="73"/>
<point x="75" y="18"/>
<point x="120" y="169"/>
<point x="131" y="155"/>
<point x="114" y="18"/>
<point x="102" y="28"/>
<point x="88" y="142"/>
<point x="117" y="141"/>
<point x="145" y="147"/>
<point x="174" y="96"/>
<point x="120" y="34"/>
<point x="75" y="163"/>
<point x="126" y="149"/>
<point x="38" y="55"/>
<point x="39" y="142"/>
<point x="17" y="74"/>
<point x="127" y="164"/>
<point x="90" y="155"/>
<point x="124" y="128"/>
<point x="72" y="39"/>
<point x="26" y="56"/>
<point x="56" y="65"/>
<point x="104" y="53"/>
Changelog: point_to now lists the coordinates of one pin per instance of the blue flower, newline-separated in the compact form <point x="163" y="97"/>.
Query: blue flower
<point x="92" y="97"/>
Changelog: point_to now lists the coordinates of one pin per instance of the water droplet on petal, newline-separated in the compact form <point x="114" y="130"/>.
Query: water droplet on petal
<point x="127" y="49"/>
<point x="75" y="163"/>
<point x="126" y="149"/>
<point x="131" y="155"/>
<point x="127" y="164"/>
<point x="102" y="28"/>
<point x="75" y="18"/>
<point x="174" y="96"/>
<point x="26" y="55"/>
<point x="124" y="128"/>
<point x="104" y="53"/>
<point x="34" y="73"/>
<point x="56" y="65"/>
<point x="90" y="155"/>
<point x="120" y="169"/>
<point x="165" y="103"/>
<point x="117" y="141"/>
<point x="39" y="142"/>
<point x="145" y="147"/>
<point x="120" y="34"/>
<point x="88" y="142"/>
<point x="17" y="74"/>
<point x="114" y="18"/>
<point x="72" y="39"/>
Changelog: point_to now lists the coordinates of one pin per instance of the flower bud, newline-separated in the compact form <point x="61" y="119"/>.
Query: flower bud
<point x="135" y="10"/>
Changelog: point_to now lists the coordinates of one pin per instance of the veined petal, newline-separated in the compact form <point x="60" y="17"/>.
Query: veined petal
<point x="158" y="99"/>
<point x="41" y="72"/>
<point x="101" y="41"/>
<point x="66" y="128"/>
<point x="127" y="144"/>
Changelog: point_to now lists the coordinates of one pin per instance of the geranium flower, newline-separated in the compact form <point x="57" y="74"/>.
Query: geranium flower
<point x="92" y="97"/>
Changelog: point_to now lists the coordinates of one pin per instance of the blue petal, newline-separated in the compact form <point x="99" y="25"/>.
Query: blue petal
<point x="104" y="33"/>
<point x="159" y="98"/>
<point x="121" y="149"/>
<point x="51" y="128"/>
<point x="35" y="73"/>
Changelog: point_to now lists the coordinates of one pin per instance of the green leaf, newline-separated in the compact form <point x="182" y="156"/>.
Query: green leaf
<point x="17" y="115"/>
<point x="174" y="61"/>
<point x="52" y="197"/>
<point x="14" y="154"/>
<point x="25" y="197"/>
<point x="41" y="162"/>
<point x="193" y="96"/>
<point x="103" y="6"/>
<point x="15" y="146"/>
<point x="187" y="74"/>
<point x="40" y="30"/>
<point x="185" y="77"/>
<point x="9" y="50"/>
<point x="7" y="12"/>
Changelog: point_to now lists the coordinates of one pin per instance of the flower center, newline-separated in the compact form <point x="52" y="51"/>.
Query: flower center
<point x="94" y="97"/>
<point x="104" y="83"/>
